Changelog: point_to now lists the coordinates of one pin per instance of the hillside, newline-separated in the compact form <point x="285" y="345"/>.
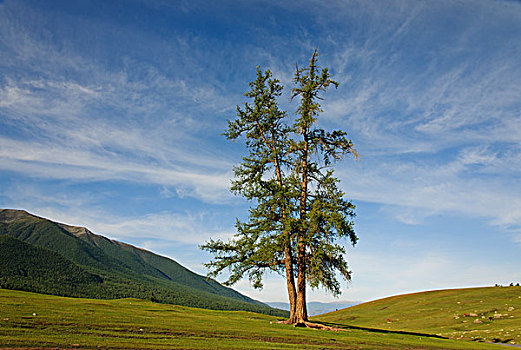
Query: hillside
<point x="36" y="321"/>
<point x="49" y="257"/>
<point x="39" y="269"/>
<point x="491" y="314"/>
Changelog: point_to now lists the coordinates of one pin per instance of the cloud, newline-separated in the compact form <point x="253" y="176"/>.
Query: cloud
<point x="434" y="120"/>
<point x="453" y="89"/>
<point x="446" y="187"/>
<point x="188" y="228"/>
<point x="43" y="161"/>
<point x="78" y="127"/>
<point x="407" y="214"/>
<point x="477" y="156"/>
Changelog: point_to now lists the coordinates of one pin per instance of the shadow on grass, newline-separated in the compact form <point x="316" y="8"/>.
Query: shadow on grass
<point x="505" y="342"/>
<point x="378" y="330"/>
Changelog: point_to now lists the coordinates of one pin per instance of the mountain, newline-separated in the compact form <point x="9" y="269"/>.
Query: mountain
<point x="316" y="307"/>
<point x="43" y="256"/>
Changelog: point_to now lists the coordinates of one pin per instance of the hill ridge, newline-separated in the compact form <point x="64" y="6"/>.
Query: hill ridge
<point x="9" y="215"/>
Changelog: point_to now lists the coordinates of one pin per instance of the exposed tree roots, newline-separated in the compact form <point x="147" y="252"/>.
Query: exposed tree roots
<point x="313" y="325"/>
<point x="285" y="322"/>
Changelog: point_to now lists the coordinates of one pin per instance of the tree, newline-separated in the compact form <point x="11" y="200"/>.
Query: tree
<point x="298" y="213"/>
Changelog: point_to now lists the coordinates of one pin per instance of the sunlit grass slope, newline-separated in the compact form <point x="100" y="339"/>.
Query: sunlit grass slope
<point x="40" y="321"/>
<point x="489" y="314"/>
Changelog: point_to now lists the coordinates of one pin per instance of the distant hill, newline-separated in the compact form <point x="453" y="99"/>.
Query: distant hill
<point x="49" y="257"/>
<point x="317" y="308"/>
<point x="490" y="314"/>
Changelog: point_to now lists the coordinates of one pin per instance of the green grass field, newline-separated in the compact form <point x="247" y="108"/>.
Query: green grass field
<point x="41" y="321"/>
<point x="488" y="314"/>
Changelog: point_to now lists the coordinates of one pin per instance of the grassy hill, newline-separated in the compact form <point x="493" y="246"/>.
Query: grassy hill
<point x="49" y="257"/>
<point x="491" y="314"/>
<point x="29" y="320"/>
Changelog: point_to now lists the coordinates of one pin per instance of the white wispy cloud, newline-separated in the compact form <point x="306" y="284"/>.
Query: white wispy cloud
<point x="440" y="114"/>
<point x="185" y="228"/>
<point x="442" y="188"/>
<point x="92" y="122"/>
<point x="46" y="161"/>
<point x="439" y="135"/>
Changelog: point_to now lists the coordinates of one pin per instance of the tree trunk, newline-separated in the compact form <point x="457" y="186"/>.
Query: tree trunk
<point x="290" y="281"/>
<point x="288" y="261"/>
<point x="301" y="313"/>
<point x="301" y="309"/>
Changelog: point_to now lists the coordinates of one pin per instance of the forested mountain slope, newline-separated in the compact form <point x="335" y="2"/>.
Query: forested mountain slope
<point x="49" y="257"/>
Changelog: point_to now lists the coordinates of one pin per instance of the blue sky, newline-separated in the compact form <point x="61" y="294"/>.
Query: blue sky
<point x="111" y="114"/>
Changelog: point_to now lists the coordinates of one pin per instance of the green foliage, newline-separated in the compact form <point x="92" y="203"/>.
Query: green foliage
<point x="152" y="297"/>
<point x="329" y="218"/>
<point x="47" y="257"/>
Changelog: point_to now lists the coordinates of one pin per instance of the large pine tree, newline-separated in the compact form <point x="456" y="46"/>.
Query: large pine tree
<point x="298" y="213"/>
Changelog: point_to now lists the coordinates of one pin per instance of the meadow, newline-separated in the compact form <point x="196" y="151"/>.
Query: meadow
<point x="31" y="320"/>
<point x="491" y="314"/>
